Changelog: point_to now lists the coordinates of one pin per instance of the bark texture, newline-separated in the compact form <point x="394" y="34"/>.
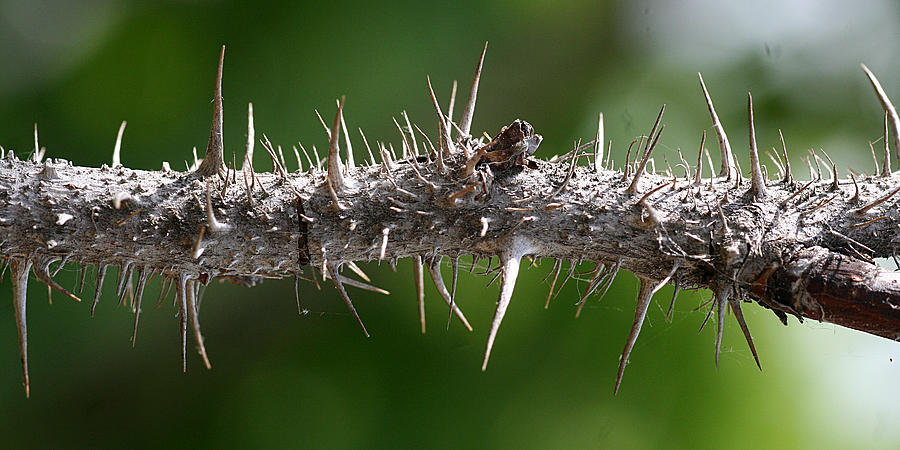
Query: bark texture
<point x="802" y="249"/>
<point x="799" y="251"/>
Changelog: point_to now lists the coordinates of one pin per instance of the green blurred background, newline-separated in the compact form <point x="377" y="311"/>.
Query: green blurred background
<point x="279" y="380"/>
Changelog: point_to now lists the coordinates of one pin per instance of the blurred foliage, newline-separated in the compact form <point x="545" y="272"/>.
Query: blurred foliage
<point x="279" y="380"/>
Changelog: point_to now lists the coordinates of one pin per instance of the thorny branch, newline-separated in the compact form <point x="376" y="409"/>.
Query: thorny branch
<point x="805" y="251"/>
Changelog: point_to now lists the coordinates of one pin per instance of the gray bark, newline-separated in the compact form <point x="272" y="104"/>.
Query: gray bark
<point x="161" y="214"/>
<point x="157" y="222"/>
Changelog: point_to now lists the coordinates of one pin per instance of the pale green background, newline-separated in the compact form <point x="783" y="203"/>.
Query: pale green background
<point x="79" y="68"/>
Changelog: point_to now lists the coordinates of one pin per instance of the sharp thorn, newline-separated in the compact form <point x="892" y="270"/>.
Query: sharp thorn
<point x="643" y="302"/>
<point x="139" y="296"/>
<point x="572" y="266"/>
<point x="722" y="296"/>
<point x="164" y="289"/>
<point x="359" y="284"/>
<point x="788" y="176"/>
<point x="674" y="296"/>
<point x="728" y="168"/>
<point x="610" y="278"/>
<point x="645" y="294"/>
<point x="454" y="267"/>
<point x="698" y="177"/>
<point x="412" y="136"/>
<point x="600" y="271"/>
<point x="124" y="275"/>
<point x="598" y="145"/>
<point x="117" y="150"/>
<point x="368" y="149"/>
<point x="434" y="269"/>
<point x="886" y="166"/>
<point x="652" y="140"/>
<point x="877" y="202"/>
<point x="214" y="225"/>
<point x="37" y="148"/>
<point x="19" y="276"/>
<point x="194" y="313"/>
<point x="42" y="272"/>
<point x="889" y="108"/>
<point x="335" y="166"/>
<point x="82" y="277"/>
<point x="181" y="299"/>
<point x="297" y="294"/>
<point x="322" y="121"/>
<point x="350" y="163"/>
<point x="247" y="163"/>
<point x="359" y="272"/>
<point x="214" y="160"/>
<point x="466" y="122"/>
<point x="384" y="242"/>
<point x="757" y="181"/>
<point x="419" y="277"/>
<point x="332" y="272"/>
<point x="557" y="267"/>
<point x="297" y="157"/>
<point x="101" y="274"/>
<point x="739" y="316"/>
<point x="874" y="159"/>
<point x="452" y="104"/>
<point x="510" y="259"/>
<point x="444" y="141"/>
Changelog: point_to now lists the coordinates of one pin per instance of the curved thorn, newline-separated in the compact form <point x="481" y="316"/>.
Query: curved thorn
<point x="572" y="266"/>
<point x="510" y="259"/>
<point x="643" y="302"/>
<point x="42" y="272"/>
<point x="645" y="294"/>
<point x="557" y="267"/>
<point x="412" y="136"/>
<point x="612" y="277"/>
<point x="336" y="279"/>
<point x="600" y="271"/>
<point x="194" y="313"/>
<point x="739" y="316"/>
<point x="434" y="269"/>
<point x="888" y="107"/>
<point x="648" y="149"/>
<point x="117" y="150"/>
<point x="350" y="162"/>
<point x="728" y="168"/>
